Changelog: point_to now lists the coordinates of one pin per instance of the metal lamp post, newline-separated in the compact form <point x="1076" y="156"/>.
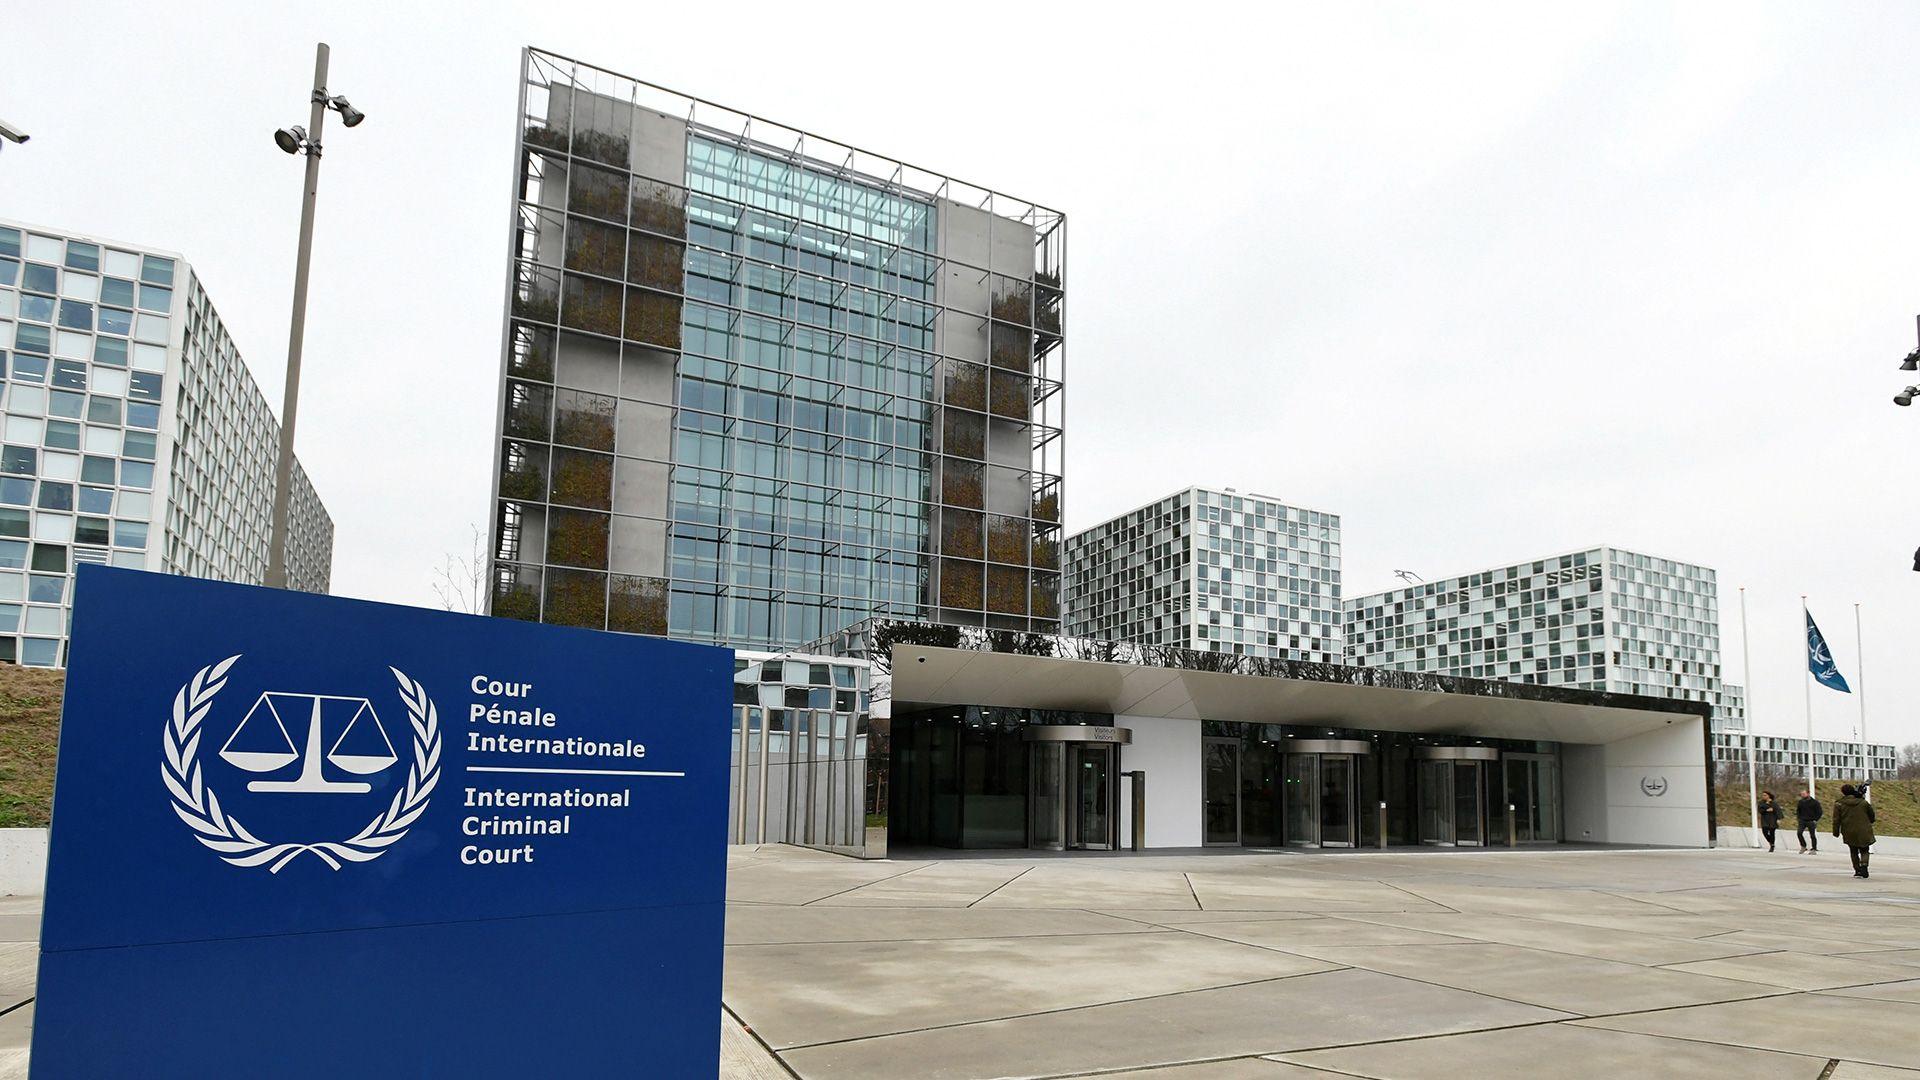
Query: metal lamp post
<point x="297" y="140"/>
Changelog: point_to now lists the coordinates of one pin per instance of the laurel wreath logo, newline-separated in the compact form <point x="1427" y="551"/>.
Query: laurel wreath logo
<point x="196" y="804"/>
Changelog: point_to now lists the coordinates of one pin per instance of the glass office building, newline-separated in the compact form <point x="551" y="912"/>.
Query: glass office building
<point x="133" y="435"/>
<point x="1214" y="571"/>
<point x="758" y="385"/>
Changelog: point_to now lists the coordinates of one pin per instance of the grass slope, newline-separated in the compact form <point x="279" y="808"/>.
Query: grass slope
<point x="29" y="734"/>
<point x="1896" y="804"/>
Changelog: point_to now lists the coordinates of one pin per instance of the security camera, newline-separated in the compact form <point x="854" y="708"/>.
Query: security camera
<point x="11" y="133"/>
<point x="1905" y="397"/>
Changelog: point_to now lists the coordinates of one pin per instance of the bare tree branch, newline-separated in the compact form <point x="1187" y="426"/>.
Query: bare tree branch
<point x="461" y="580"/>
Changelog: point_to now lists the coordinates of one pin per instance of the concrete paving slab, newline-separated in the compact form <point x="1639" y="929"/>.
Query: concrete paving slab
<point x="1298" y="934"/>
<point x="1202" y="918"/>
<point x="1817" y="1025"/>
<point x="1547" y="1050"/>
<point x="1574" y="984"/>
<point x="796" y="883"/>
<point x="1799" y="971"/>
<point x="1310" y="1011"/>
<point x="1785" y="939"/>
<point x="1854" y="1070"/>
<point x="13" y="1064"/>
<point x="1696" y="927"/>
<point x="1068" y="886"/>
<point x="1733" y="900"/>
<point x="19" y="966"/>
<point x="802" y="994"/>
<point x="1899" y="931"/>
<point x="1524" y="901"/>
<point x="767" y="925"/>
<point x="935" y="885"/>
<point x="16" y="1028"/>
<point x="1237" y="1069"/>
<point x="742" y="1057"/>
<point x="20" y="927"/>
<point x="1908" y="957"/>
<point x="1274" y="892"/>
<point x="1908" y="991"/>
<point x="1598" y="942"/>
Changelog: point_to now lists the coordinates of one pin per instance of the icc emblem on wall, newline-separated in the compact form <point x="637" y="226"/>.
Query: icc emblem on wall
<point x="300" y="745"/>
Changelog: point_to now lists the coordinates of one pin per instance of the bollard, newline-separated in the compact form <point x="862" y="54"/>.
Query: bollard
<point x="1139" y="778"/>
<point x="1512" y="833"/>
<point x="1383" y="824"/>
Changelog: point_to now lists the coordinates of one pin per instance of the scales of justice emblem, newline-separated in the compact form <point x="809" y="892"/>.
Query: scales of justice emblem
<point x="316" y="731"/>
<point x="263" y="743"/>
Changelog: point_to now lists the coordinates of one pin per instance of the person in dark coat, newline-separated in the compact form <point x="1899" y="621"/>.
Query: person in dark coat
<point x="1769" y="817"/>
<point x="1808" y="813"/>
<point x="1853" y="824"/>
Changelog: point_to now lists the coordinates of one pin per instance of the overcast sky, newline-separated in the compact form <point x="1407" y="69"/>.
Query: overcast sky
<point x="1490" y="281"/>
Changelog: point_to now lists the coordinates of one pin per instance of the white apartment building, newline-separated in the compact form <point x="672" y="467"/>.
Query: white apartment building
<point x="1599" y="619"/>
<point x="1784" y="753"/>
<point x="1212" y="570"/>
<point x="133" y="435"/>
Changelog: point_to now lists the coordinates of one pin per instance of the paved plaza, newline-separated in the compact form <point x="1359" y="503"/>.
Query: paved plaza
<point x="1420" y="964"/>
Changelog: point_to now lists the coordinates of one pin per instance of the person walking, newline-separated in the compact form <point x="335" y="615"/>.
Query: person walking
<point x="1769" y="817"/>
<point x="1853" y="824"/>
<point x="1808" y="813"/>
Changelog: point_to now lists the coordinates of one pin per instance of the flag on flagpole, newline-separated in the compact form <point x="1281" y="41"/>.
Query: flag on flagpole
<point x="1820" y="659"/>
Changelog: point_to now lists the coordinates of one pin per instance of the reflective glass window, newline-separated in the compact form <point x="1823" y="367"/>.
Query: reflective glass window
<point x="155" y="270"/>
<point x="117" y="292"/>
<point x="46" y="588"/>
<point x="55" y="496"/>
<point x="40" y="278"/>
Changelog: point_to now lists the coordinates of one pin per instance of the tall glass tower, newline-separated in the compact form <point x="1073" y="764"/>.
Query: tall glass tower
<point x="758" y="385"/>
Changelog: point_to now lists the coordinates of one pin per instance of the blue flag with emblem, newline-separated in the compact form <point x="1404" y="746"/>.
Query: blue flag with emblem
<point x="1820" y="659"/>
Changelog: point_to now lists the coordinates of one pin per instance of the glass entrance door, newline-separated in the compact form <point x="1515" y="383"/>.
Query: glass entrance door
<point x="1302" y="804"/>
<point x="1336" y="801"/>
<point x="1220" y="792"/>
<point x="1318" y="800"/>
<point x="1532" y="788"/>
<point x="1434" y="787"/>
<point x="1469" y="805"/>
<point x="1090" y="823"/>
<point x="1046" y="814"/>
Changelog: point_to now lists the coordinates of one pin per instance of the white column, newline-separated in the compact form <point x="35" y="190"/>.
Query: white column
<point x="1806" y="685"/>
<point x="1860" y="691"/>
<point x="1746" y="673"/>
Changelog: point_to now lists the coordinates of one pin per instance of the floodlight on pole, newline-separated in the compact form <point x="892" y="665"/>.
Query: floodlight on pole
<point x="295" y="140"/>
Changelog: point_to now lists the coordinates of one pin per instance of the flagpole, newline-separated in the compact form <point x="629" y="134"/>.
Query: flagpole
<point x="1746" y="673"/>
<point x="1860" y="691"/>
<point x="1806" y="685"/>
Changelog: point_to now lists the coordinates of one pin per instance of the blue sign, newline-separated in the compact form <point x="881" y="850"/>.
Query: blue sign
<point x="298" y="836"/>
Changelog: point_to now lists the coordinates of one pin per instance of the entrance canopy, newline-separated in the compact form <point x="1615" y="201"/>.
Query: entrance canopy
<point x="1350" y="698"/>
